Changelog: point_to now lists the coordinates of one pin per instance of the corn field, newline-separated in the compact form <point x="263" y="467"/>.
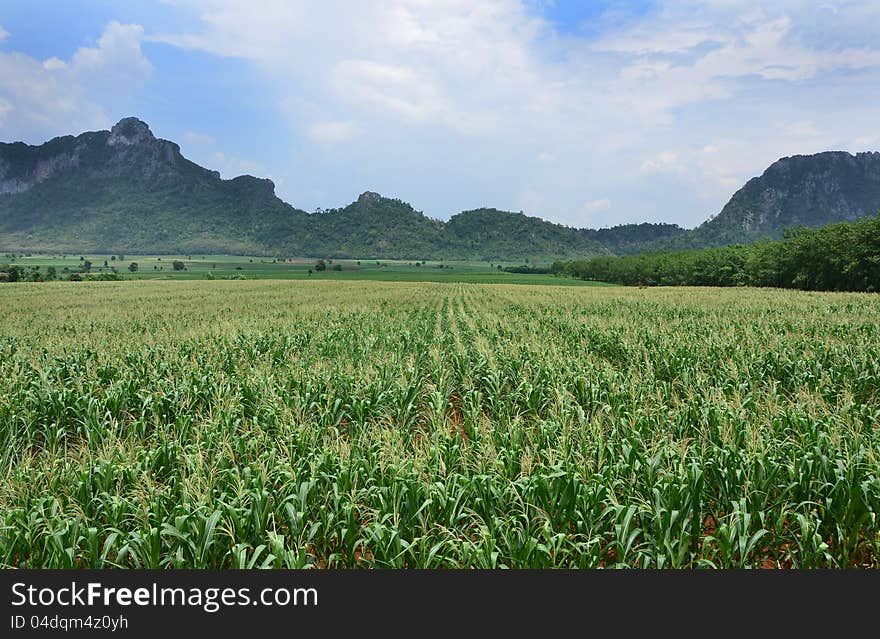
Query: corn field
<point x="285" y="424"/>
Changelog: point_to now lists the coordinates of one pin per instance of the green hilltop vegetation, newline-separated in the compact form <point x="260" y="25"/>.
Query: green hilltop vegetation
<point x="375" y="226"/>
<point x="125" y="190"/>
<point x="629" y="239"/>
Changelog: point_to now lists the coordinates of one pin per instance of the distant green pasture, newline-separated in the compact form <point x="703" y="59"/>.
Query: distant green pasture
<point x="154" y="267"/>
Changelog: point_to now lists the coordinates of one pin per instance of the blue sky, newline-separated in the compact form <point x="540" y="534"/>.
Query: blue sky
<point x="585" y="113"/>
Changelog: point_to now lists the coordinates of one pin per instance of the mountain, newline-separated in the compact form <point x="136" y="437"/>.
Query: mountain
<point x="378" y="226"/>
<point x="124" y="190"/>
<point x="630" y="239"/>
<point x="372" y="226"/>
<point x="801" y="190"/>
<point x="501" y="235"/>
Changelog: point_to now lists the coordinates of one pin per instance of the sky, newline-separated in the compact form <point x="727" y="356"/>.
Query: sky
<point x="589" y="114"/>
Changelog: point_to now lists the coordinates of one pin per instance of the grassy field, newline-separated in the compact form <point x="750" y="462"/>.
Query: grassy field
<point x="379" y="424"/>
<point x="200" y="267"/>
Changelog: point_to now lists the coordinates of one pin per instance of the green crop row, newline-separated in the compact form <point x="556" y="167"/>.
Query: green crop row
<point x="270" y="424"/>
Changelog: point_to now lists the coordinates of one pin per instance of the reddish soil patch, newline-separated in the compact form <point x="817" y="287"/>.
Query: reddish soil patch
<point x="456" y="417"/>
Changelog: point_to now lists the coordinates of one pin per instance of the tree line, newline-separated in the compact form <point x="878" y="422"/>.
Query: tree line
<point x="837" y="257"/>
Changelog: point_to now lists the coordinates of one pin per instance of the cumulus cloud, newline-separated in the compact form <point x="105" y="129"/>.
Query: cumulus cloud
<point x="55" y="97"/>
<point x="460" y="103"/>
<point x="3" y="33"/>
<point x="117" y="61"/>
<point x="498" y="87"/>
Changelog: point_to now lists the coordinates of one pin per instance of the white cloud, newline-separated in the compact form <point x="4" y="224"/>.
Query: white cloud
<point x="231" y="166"/>
<point x="333" y="132"/>
<point x="590" y="209"/>
<point x="400" y="90"/>
<point x="3" y="33"/>
<point x="57" y="97"/>
<point x="665" y="162"/>
<point x="5" y="108"/>
<point x="117" y="60"/>
<point x="497" y="88"/>
<point x="642" y="40"/>
<point x="461" y="103"/>
<point x="201" y="139"/>
<point x="865" y="142"/>
<point x="597" y="205"/>
<point x="800" y="128"/>
<point x="54" y="64"/>
<point x="202" y="149"/>
<point x="594" y="206"/>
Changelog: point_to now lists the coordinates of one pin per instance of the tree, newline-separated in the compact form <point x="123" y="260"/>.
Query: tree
<point x="13" y="273"/>
<point x="87" y="266"/>
<point x="178" y="265"/>
<point x="121" y="257"/>
<point x="133" y="267"/>
<point x="320" y="265"/>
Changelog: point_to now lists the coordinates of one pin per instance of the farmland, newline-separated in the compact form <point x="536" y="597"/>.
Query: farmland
<point x="238" y="267"/>
<point x="353" y="424"/>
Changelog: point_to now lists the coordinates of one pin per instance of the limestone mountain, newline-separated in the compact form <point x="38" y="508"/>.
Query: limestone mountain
<point x="124" y="190"/>
<point x="801" y="190"/>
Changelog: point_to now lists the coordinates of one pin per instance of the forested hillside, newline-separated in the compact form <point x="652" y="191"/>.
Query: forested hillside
<point x="124" y="190"/>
